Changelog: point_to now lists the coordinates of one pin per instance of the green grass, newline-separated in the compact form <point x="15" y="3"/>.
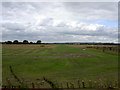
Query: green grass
<point x="103" y="65"/>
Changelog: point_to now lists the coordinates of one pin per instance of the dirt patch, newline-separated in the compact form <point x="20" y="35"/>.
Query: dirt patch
<point x="77" y="55"/>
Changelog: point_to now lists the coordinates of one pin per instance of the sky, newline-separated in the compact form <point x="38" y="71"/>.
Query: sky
<point x="59" y="21"/>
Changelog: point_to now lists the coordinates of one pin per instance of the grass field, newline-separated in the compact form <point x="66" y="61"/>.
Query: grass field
<point x="58" y="62"/>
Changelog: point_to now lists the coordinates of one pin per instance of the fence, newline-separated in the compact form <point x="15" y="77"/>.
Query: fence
<point x="114" y="49"/>
<point x="68" y="85"/>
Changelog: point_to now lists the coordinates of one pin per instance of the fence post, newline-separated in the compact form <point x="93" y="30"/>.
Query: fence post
<point x="72" y="85"/>
<point x="61" y="85"/>
<point x="78" y="83"/>
<point x="90" y="83"/>
<point x="95" y="84"/>
<point x="9" y="82"/>
<point x="33" y="86"/>
<point x="83" y="83"/>
<point x="27" y="84"/>
<point x="67" y="84"/>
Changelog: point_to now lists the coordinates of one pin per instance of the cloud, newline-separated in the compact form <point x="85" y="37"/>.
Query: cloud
<point x="93" y="11"/>
<point x="13" y="26"/>
<point x="59" y="22"/>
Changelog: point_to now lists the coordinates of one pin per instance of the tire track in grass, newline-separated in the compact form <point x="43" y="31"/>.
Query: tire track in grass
<point x="59" y="56"/>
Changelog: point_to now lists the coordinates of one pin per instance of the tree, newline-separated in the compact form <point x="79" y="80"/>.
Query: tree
<point x="15" y="42"/>
<point x="31" y="42"/>
<point x="8" y="42"/>
<point x="25" y="42"/>
<point x="38" y="42"/>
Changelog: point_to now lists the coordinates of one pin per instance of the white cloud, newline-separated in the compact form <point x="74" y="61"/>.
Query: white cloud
<point x="59" y="22"/>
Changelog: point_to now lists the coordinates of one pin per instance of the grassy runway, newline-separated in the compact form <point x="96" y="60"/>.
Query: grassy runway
<point x="58" y="62"/>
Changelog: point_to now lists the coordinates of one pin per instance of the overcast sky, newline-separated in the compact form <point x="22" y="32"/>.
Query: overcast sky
<point x="60" y="21"/>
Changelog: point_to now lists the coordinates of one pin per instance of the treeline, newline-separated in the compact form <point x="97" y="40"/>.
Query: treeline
<point x="70" y="43"/>
<point x="23" y="42"/>
<point x="86" y="43"/>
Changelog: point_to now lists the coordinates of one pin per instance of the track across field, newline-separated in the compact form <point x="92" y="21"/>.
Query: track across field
<point x="58" y="62"/>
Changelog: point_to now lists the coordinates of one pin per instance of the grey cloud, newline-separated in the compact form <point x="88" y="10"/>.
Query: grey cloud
<point x="52" y="21"/>
<point x="13" y="26"/>
<point x="46" y="22"/>
<point x="93" y="33"/>
<point x="93" y="11"/>
<point x="99" y="33"/>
